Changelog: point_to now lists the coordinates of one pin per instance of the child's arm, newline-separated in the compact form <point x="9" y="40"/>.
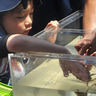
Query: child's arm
<point x="22" y="43"/>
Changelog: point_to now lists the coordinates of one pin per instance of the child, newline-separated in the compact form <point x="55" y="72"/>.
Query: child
<point x="15" y="23"/>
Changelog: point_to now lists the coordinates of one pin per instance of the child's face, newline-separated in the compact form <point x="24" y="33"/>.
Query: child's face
<point x="19" y="21"/>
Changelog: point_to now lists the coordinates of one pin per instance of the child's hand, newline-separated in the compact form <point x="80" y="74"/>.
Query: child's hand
<point x="53" y="25"/>
<point x="52" y="28"/>
<point x="76" y="68"/>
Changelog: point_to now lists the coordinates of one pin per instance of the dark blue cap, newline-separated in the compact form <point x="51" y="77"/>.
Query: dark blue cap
<point x="6" y="5"/>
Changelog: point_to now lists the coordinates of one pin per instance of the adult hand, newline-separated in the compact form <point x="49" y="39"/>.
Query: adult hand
<point x="87" y="44"/>
<point x="76" y="68"/>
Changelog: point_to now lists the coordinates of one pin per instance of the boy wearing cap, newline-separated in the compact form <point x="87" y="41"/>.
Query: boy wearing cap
<point x="15" y="23"/>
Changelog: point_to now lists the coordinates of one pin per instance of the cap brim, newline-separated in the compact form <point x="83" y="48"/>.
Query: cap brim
<point x="6" y="5"/>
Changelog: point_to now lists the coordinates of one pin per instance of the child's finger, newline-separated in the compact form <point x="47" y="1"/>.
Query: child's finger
<point x="53" y="24"/>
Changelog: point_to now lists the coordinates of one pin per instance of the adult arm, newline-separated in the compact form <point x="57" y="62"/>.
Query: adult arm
<point x="88" y="43"/>
<point x="89" y="18"/>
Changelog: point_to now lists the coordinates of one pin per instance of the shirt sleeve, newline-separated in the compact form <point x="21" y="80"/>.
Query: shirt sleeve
<point x="3" y="49"/>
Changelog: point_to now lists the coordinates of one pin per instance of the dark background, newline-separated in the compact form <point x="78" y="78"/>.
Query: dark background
<point x="53" y="10"/>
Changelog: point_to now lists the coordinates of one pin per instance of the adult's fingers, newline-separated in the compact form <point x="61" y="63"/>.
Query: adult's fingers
<point x="93" y="54"/>
<point x="91" y="50"/>
<point x="84" y="49"/>
<point x="79" y="44"/>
